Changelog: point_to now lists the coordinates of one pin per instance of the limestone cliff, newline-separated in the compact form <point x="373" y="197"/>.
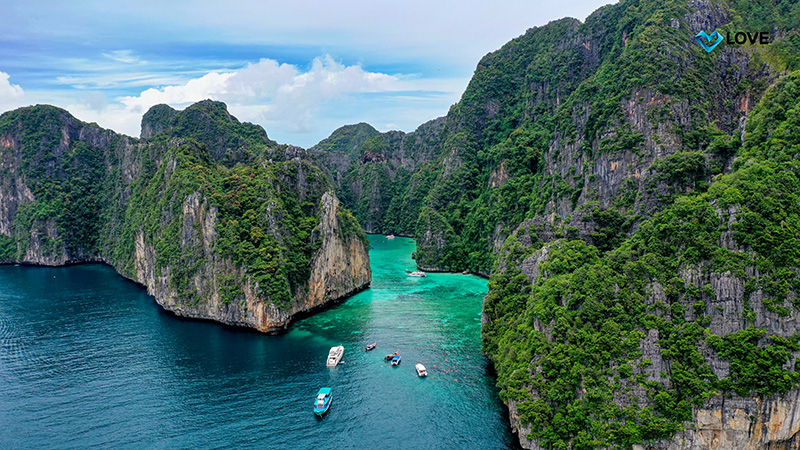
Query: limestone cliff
<point x="339" y="268"/>
<point x="381" y="177"/>
<point x="727" y="420"/>
<point x="685" y="335"/>
<point x="254" y="246"/>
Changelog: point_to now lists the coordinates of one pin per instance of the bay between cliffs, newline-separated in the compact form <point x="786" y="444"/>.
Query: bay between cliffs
<point x="89" y="360"/>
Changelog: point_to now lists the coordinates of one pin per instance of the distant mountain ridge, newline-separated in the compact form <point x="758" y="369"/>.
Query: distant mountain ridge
<point x="381" y="175"/>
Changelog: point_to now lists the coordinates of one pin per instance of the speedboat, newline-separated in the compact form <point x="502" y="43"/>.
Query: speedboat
<point x="421" y="370"/>
<point x="396" y="360"/>
<point x="322" y="401"/>
<point x="371" y="346"/>
<point x="416" y="273"/>
<point x="335" y="355"/>
<point x="391" y="236"/>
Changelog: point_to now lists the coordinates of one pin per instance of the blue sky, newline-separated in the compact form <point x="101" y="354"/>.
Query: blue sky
<point x="301" y="69"/>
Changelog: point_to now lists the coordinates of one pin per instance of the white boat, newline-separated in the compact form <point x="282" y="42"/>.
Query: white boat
<point x="421" y="370"/>
<point x="335" y="355"/>
<point x="391" y="236"/>
<point x="416" y="273"/>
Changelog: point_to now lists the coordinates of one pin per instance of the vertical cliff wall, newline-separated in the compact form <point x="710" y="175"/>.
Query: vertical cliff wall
<point x="685" y="335"/>
<point x="382" y="177"/>
<point x="253" y="245"/>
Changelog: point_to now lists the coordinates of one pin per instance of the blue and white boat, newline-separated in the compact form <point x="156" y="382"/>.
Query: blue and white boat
<point x="396" y="360"/>
<point x="322" y="401"/>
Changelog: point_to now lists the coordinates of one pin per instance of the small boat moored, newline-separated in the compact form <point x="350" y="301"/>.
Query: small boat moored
<point x="396" y="360"/>
<point x="322" y="401"/>
<point x="421" y="370"/>
<point x="371" y="346"/>
<point x="335" y="355"/>
<point x="391" y="236"/>
<point x="391" y="355"/>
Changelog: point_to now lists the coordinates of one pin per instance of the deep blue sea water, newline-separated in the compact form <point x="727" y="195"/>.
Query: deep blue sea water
<point x="89" y="360"/>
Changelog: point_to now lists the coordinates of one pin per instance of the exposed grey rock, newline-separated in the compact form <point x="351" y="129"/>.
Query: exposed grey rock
<point x="339" y="267"/>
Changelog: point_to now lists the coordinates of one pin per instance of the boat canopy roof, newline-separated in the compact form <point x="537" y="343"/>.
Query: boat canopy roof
<point x="324" y="391"/>
<point x="396" y="357"/>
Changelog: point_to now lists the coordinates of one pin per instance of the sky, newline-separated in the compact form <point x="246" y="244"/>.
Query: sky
<point x="299" y="68"/>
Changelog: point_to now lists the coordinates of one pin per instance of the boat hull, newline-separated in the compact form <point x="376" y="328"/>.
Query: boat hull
<point x="321" y="411"/>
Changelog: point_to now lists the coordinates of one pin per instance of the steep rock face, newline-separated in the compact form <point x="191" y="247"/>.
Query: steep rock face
<point x="339" y="269"/>
<point x="735" y="423"/>
<point x="685" y="335"/>
<point x="13" y="192"/>
<point x="341" y="266"/>
<point x="253" y="246"/>
<point x="724" y="422"/>
<point x="378" y="175"/>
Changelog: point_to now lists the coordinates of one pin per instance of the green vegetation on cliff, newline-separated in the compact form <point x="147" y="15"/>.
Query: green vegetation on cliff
<point x="229" y="141"/>
<point x="66" y="178"/>
<point x="200" y="187"/>
<point x="569" y="347"/>
<point x="383" y="177"/>
<point x="552" y="112"/>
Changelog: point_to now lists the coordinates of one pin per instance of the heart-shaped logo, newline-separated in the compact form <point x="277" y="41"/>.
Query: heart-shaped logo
<point x="713" y="40"/>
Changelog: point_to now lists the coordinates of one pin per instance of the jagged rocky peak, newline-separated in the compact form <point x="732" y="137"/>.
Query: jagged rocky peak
<point x="209" y="110"/>
<point x="229" y="141"/>
<point x="347" y="139"/>
<point x="41" y="118"/>
<point x="156" y="120"/>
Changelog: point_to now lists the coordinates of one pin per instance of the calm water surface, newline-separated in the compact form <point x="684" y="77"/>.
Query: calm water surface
<point x="88" y="360"/>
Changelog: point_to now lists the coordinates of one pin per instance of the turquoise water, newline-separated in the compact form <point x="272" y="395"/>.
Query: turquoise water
<point x="88" y="360"/>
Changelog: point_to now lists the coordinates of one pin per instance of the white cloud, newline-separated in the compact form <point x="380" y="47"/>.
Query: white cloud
<point x="264" y="92"/>
<point x="11" y="95"/>
<point x="295" y="105"/>
<point x="211" y="85"/>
